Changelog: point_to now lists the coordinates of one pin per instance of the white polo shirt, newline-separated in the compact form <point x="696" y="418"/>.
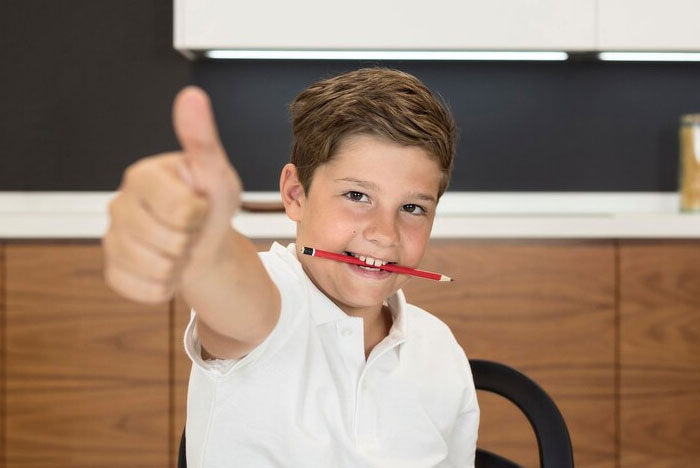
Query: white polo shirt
<point x="306" y="397"/>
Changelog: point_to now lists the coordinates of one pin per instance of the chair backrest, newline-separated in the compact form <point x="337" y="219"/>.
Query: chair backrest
<point x="182" y="453"/>
<point x="553" y="439"/>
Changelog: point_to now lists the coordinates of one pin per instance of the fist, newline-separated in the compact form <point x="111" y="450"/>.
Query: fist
<point x="171" y="216"/>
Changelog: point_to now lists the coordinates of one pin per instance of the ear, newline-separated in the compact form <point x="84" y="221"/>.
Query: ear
<point x="292" y="192"/>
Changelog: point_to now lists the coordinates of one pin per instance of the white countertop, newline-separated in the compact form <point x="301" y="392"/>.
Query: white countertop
<point x="83" y="215"/>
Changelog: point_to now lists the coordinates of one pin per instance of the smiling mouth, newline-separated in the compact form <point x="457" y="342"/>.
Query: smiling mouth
<point x="372" y="263"/>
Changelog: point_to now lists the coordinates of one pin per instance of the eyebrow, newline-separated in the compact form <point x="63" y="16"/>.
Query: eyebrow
<point x="372" y="186"/>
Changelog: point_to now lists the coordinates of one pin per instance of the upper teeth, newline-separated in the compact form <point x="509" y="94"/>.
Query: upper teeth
<point x="371" y="261"/>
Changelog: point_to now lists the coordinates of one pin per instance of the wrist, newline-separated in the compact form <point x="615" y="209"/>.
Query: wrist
<point x="208" y="259"/>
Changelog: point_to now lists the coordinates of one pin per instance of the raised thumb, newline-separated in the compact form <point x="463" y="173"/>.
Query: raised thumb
<point x="195" y="129"/>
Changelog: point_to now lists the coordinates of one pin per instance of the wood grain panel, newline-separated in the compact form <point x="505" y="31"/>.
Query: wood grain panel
<point x="660" y="354"/>
<point x="87" y="372"/>
<point x="546" y="308"/>
<point x="182" y="369"/>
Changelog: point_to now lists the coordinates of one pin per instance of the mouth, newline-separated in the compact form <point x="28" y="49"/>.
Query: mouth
<point x="372" y="263"/>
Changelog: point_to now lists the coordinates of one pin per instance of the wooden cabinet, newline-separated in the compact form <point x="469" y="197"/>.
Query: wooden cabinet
<point x="611" y="329"/>
<point x="86" y="375"/>
<point x="659" y="355"/>
<point x="547" y="309"/>
<point x="648" y="25"/>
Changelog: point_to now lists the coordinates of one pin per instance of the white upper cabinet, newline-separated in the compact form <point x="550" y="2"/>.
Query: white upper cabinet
<point x="649" y="25"/>
<point x="386" y="24"/>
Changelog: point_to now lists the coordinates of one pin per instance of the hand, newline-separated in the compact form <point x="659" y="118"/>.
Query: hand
<point x="171" y="217"/>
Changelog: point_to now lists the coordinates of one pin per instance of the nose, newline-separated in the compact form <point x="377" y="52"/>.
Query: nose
<point x="383" y="228"/>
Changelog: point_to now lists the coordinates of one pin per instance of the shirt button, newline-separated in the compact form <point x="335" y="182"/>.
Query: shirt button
<point x="346" y="332"/>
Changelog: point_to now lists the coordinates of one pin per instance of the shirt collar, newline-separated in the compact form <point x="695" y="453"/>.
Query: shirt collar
<point x="397" y="306"/>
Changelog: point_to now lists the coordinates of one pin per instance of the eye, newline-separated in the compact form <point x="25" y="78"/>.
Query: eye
<point x="414" y="209"/>
<point x="356" y="196"/>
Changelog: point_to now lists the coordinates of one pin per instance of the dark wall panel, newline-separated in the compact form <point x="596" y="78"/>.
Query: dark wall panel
<point x="573" y="126"/>
<point x="87" y="88"/>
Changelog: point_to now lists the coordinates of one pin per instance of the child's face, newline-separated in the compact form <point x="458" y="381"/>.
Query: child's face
<point x="374" y="198"/>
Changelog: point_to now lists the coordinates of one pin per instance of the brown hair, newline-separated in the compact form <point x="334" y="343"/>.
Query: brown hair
<point x="378" y="101"/>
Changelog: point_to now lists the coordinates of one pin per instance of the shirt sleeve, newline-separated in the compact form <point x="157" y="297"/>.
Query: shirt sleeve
<point x="462" y="442"/>
<point x="193" y="348"/>
<point x="292" y="296"/>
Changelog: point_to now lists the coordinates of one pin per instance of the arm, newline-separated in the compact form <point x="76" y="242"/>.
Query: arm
<point x="237" y="303"/>
<point x="171" y="230"/>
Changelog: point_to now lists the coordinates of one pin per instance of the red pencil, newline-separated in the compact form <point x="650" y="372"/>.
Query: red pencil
<point x="388" y="267"/>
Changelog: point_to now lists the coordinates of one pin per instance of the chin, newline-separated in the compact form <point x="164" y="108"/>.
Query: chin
<point x="362" y="301"/>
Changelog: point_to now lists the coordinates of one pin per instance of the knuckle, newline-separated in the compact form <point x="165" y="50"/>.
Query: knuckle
<point x="142" y="168"/>
<point x="174" y="206"/>
<point x="187" y="212"/>
<point x="179" y="244"/>
<point x="131" y="287"/>
<point x="131" y="173"/>
<point x="198" y="212"/>
<point x="163" y="270"/>
<point x="115" y="283"/>
<point x="115" y="247"/>
<point x="113" y="208"/>
<point x="108" y="244"/>
<point x="107" y="276"/>
<point x="159" y="291"/>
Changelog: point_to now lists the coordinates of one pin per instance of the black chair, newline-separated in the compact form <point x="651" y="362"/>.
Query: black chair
<point x="182" y="454"/>
<point x="550" y="429"/>
<point x="553" y="439"/>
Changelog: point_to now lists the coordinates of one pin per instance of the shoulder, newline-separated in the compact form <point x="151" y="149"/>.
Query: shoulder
<point x="424" y="326"/>
<point x="281" y="259"/>
<point x="432" y="342"/>
<point x="433" y="353"/>
<point x="284" y="269"/>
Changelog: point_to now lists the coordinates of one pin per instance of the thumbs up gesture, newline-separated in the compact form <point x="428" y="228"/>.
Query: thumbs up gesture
<point x="171" y="218"/>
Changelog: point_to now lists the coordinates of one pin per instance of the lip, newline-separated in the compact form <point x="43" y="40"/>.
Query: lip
<point x="369" y="274"/>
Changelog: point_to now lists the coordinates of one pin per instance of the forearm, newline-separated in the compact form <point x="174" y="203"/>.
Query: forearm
<point x="236" y="301"/>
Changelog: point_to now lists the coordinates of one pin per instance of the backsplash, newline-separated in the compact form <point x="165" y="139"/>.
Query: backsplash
<point x="525" y="126"/>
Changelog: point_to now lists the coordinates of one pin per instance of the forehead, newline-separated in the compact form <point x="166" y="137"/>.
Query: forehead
<point x="382" y="162"/>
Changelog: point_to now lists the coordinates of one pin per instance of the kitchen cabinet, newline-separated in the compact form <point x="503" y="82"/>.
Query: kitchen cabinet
<point x="608" y="327"/>
<point x="392" y="25"/>
<point x="572" y="25"/>
<point x="648" y="25"/>
<point x="85" y="374"/>
<point x="659" y="357"/>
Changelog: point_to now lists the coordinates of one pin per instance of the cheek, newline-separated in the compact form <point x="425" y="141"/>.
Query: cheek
<point x="342" y="217"/>
<point x="333" y="222"/>
<point x="414" y="239"/>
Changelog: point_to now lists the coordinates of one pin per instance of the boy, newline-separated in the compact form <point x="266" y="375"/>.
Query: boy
<point x="301" y="361"/>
